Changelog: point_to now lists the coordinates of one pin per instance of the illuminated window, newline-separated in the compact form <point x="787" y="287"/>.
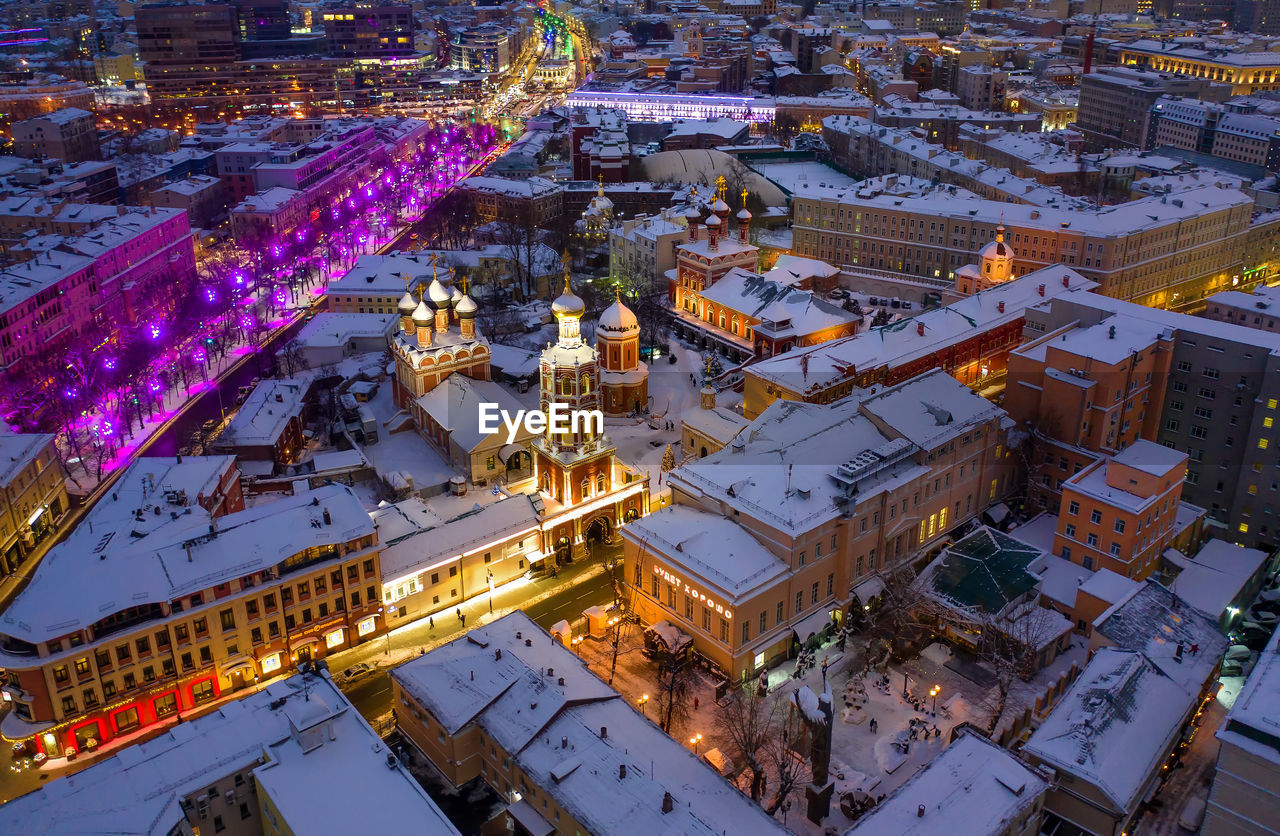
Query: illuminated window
<point x="1271" y="403"/>
<point x="365" y="627"/>
<point x="270" y="663"/>
<point x="1262" y="443"/>
<point x="1268" y="421"/>
<point x="333" y="639"/>
<point x="1244" y="528"/>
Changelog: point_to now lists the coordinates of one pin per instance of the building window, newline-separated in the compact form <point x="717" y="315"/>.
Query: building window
<point x="202" y="692"/>
<point x="1095" y="516"/>
<point x="228" y="618"/>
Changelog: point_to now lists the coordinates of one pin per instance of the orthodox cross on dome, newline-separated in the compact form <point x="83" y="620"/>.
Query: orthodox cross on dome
<point x="721" y="187"/>
<point x="693" y="194"/>
<point x="744" y="197"/>
<point x="565" y="259"/>
<point x="405" y="277"/>
<point x="600" y="189"/>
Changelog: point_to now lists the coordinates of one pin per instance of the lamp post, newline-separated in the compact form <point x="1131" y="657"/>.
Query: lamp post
<point x="641" y="701"/>
<point x="695" y="742"/>
<point x="904" y="684"/>
<point x="933" y="692"/>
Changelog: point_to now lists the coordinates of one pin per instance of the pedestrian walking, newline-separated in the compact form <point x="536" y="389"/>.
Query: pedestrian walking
<point x="464" y="620"/>
<point x="431" y="623"/>
<point x="458" y="610"/>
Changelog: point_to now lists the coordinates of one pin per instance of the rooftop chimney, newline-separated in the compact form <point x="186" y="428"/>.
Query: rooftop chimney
<point x="604" y="732"/>
<point x="1041" y="289"/>
<point x="668" y="803"/>
<point x="622" y="771"/>
<point x="1000" y="307"/>
<point x="920" y="328"/>
<point x="920" y="812"/>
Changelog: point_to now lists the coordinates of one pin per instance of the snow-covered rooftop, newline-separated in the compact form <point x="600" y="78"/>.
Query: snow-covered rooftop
<point x="781" y="309"/>
<point x="335" y="329"/>
<point x="343" y="785"/>
<point x="784" y="469"/>
<point x="930" y="408"/>
<point x="267" y="411"/>
<point x="1115" y="724"/>
<point x="1213" y="579"/>
<point x="718" y="550"/>
<point x="150" y="542"/>
<point x="426" y="545"/>
<point x="543" y="705"/>
<point x="455" y="404"/>
<point x="1155" y="621"/>
<point x="813" y="368"/>
<point x="972" y="788"/>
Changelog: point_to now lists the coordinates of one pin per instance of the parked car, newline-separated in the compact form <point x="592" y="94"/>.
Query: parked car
<point x="1237" y="653"/>
<point x="357" y="672"/>
<point x="1264" y="617"/>
<point x="1262" y="605"/>
<point x="1231" y="668"/>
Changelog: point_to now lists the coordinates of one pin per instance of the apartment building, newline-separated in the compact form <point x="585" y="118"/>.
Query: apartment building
<point x="1242" y="72"/>
<point x="1219" y="402"/>
<point x="531" y="202"/>
<point x="252" y="767"/>
<point x="970" y="339"/>
<point x="770" y="539"/>
<point x="1115" y="102"/>
<point x="172" y="593"/>
<point x="1084" y="393"/>
<point x="1119" y="513"/>
<point x="564" y="751"/>
<point x="33" y="490"/>
<point x="643" y="249"/>
<point x="377" y="283"/>
<point x="131" y="266"/>
<point x="1167" y="251"/>
<point x="369" y="30"/>
<point x="31" y="94"/>
<point x="1231" y="131"/>
<point x="433" y="560"/>
<point x="202" y="197"/>
<point x="69" y="135"/>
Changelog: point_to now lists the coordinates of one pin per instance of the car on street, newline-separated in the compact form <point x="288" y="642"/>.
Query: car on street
<point x="356" y="672"/>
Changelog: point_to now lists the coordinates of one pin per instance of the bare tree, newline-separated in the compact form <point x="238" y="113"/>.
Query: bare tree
<point x="747" y="719"/>
<point x="790" y="769"/>
<point x="519" y="237"/>
<point x="675" y="684"/>
<point x="1012" y="643"/>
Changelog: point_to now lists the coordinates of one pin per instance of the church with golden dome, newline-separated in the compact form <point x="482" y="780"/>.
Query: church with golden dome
<point x="437" y="338"/>
<point x="586" y="488"/>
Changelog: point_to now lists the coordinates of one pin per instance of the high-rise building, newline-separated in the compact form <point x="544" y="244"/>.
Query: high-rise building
<point x="1206" y="388"/>
<point x="364" y="30"/>
<point x="1115" y="102"/>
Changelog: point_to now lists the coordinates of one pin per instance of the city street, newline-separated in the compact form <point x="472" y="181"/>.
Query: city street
<point x="547" y="600"/>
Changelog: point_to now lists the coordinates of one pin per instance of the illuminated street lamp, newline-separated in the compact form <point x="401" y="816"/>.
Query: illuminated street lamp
<point x="933" y="692"/>
<point x="695" y="742"/>
<point x="641" y="701"/>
